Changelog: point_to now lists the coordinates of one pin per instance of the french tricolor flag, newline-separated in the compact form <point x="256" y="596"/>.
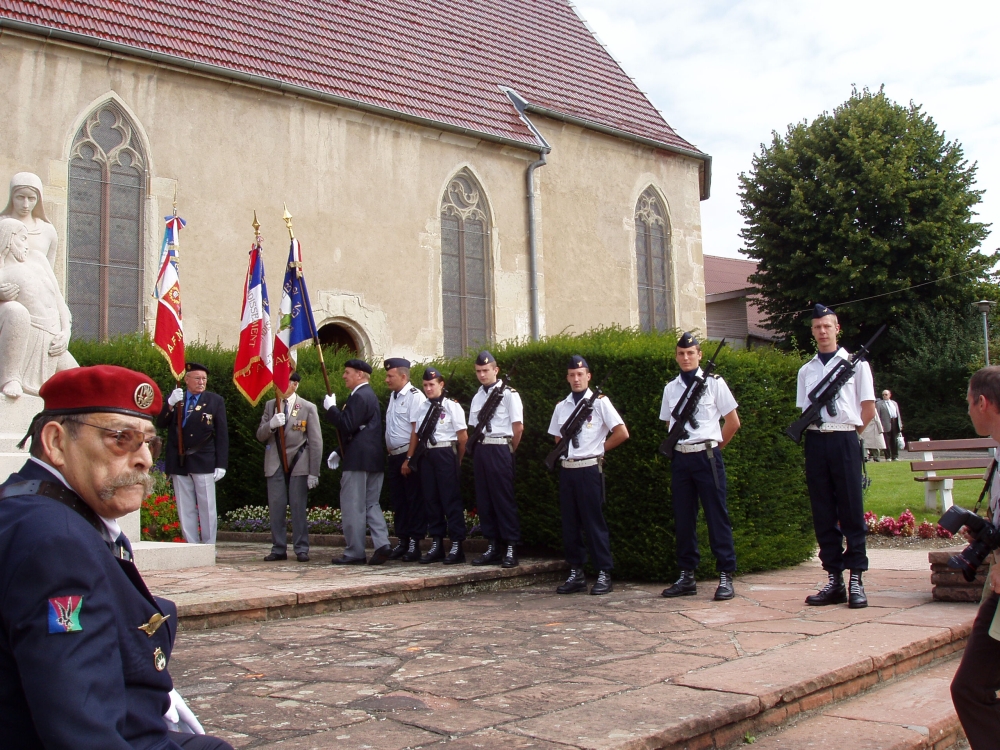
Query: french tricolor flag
<point x="254" y="357"/>
<point x="168" y="335"/>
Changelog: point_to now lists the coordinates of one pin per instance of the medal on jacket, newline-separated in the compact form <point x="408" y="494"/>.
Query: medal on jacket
<point x="154" y="624"/>
<point x="159" y="659"/>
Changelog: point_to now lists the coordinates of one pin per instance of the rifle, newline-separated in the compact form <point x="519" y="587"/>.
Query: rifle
<point x="425" y="434"/>
<point x="685" y="408"/>
<point x="825" y="392"/>
<point x="570" y="430"/>
<point x="486" y="415"/>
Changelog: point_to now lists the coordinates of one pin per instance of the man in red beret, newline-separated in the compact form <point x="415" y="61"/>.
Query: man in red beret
<point x="84" y="646"/>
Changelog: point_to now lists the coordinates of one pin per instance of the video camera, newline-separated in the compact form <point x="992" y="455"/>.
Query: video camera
<point x="987" y="539"/>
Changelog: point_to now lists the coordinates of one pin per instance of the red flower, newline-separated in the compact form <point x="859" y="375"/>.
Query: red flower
<point x="180" y="539"/>
<point x="155" y="512"/>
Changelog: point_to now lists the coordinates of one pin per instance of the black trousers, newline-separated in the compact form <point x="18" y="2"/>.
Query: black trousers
<point x="438" y="473"/>
<point x="581" y="494"/>
<point x="974" y="687"/>
<point x="833" y="475"/>
<point x="198" y="741"/>
<point x="407" y="502"/>
<point x="494" y="470"/>
<point x="692" y="479"/>
<point x="891" y="444"/>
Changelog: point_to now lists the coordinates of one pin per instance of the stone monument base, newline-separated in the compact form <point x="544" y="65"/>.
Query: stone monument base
<point x="15" y="418"/>
<point x="172" y="555"/>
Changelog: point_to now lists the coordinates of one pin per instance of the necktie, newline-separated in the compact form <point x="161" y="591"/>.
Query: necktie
<point x="122" y="548"/>
<point x="191" y="399"/>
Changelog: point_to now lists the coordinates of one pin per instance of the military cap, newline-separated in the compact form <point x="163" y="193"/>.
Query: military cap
<point x="359" y="364"/>
<point x="485" y="358"/>
<point x="195" y="367"/>
<point x="432" y="373"/>
<point x="576" y="362"/>
<point x="295" y="377"/>
<point x="396" y="362"/>
<point x="687" y="341"/>
<point x="821" y="311"/>
<point x="101" y="388"/>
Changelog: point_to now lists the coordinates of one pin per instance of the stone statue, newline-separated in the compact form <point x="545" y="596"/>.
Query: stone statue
<point x="25" y="205"/>
<point x="34" y="318"/>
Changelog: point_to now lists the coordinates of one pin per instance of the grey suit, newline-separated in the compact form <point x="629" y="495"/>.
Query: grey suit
<point x="304" y="449"/>
<point x="891" y="426"/>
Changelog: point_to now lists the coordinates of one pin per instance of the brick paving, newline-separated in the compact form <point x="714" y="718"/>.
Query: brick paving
<point x="527" y="668"/>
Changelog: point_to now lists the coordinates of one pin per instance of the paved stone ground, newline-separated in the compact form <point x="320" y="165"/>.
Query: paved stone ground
<point x="527" y="668"/>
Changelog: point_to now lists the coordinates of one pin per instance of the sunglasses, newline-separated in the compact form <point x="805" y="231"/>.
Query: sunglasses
<point x="129" y="441"/>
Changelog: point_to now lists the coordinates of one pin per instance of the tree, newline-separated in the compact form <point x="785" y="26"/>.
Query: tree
<point x="868" y="203"/>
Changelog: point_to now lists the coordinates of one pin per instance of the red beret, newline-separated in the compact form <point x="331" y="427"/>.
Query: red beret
<point x="102" y="388"/>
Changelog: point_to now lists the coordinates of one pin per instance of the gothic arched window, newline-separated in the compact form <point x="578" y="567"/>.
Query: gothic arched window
<point x="652" y="256"/>
<point x="107" y="193"/>
<point x="465" y="268"/>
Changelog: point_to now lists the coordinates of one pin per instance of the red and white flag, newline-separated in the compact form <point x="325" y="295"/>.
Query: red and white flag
<point x="168" y="335"/>
<point x="254" y="361"/>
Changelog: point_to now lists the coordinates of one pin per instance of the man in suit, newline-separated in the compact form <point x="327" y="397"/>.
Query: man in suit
<point x="891" y="419"/>
<point x="84" y="646"/>
<point x="289" y="481"/>
<point x="205" y="455"/>
<point x="359" y="425"/>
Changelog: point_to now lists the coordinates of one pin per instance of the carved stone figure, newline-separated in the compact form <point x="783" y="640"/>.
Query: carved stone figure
<point x="25" y="205"/>
<point x="34" y="318"/>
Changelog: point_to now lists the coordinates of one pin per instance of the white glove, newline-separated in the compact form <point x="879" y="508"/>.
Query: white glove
<point x="219" y="474"/>
<point x="312" y="482"/>
<point x="329" y="401"/>
<point x="182" y="717"/>
<point x="333" y="460"/>
<point x="176" y="395"/>
<point x="277" y="420"/>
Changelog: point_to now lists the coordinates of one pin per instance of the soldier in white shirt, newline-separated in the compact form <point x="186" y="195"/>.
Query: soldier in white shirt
<point x="409" y="518"/>
<point x="493" y="465"/>
<point x="581" y="481"/>
<point x="438" y="471"/>
<point x="833" y="465"/>
<point x="697" y="471"/>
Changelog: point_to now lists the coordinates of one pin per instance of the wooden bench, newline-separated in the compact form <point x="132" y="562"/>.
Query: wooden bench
<point x="935" y="485"/>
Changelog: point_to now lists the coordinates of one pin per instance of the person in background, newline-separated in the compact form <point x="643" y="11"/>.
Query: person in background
<point x="408" y="513"/>
<point x="891" y="420"/>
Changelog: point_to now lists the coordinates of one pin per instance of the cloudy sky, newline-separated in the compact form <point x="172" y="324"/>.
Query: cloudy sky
<point x="726" y="74"/>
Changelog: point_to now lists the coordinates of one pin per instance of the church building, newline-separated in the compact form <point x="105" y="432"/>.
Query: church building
<point x="458" y="171"/>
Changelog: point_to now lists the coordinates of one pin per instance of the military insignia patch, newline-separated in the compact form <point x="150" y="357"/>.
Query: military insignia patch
<point x="143" y="395"/>
<point x="159" y="659"/>
<point x="64" y="614"/>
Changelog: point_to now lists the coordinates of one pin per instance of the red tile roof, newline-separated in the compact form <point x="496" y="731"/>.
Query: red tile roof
<point x="731" y="275"/>
<point x="437" y="60"/>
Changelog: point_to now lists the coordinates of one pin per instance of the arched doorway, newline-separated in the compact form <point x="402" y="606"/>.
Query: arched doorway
<point x="338" y="337"/>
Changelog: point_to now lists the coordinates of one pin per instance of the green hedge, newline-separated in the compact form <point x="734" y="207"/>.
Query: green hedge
<point x="767" y="495"/>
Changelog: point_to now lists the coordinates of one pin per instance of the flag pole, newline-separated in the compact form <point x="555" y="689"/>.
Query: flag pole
<point x="312" y="326"/>
<point x="180" y="415"/>
<point x="278" y="396"/>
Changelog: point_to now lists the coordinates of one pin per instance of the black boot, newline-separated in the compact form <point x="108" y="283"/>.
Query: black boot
<point x="577" y="581"/>
<point x="683" y="586"/>
<point x="725" y="590"/>
<point x="833" y="593"/>
<point x="510" y="558"/>
<point x="492" y="556"/>
<point x="435" y="553"/>
<point x="456" y="554"/>
<point x="856" y="594"/>
<point x="603" y="585"/>
<point x="412" y="553"/>
<point x="400" y="549"/>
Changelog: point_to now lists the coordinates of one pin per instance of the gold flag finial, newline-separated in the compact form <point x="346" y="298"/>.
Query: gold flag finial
<point x="288" y="222"/>
<point x="256" y="225"/>
<point x="175" y="199"/>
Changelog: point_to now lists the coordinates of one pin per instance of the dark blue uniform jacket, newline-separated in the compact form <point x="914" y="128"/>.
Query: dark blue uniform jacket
<point x="206" y="436"/>
<point x="89" y="682"/>
<point x="360" y="426"/>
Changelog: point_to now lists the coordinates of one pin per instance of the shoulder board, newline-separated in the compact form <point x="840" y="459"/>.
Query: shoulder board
<point x="512" y="390"/>
<point x="602" y="396"/>
<point x="717" y="377"/>
<point x="413" y="390"/>
<point x="454" y="401"/>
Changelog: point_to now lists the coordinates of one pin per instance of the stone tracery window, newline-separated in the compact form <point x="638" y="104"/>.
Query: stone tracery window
<point x="107" y="192"/>
<point x="465" y="267"/>
<point x="652" y="254"/>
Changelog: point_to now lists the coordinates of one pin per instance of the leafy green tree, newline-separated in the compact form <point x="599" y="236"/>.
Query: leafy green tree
<point x="868" y="203"/>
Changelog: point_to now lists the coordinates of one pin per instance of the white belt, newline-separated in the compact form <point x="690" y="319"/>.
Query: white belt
<point x="399" y="451"/>
<point x="497" y="440"/>
<point x="441" y="444"/>
<point x="580" y="463"/>
<point x="694" y="447"/>
<point x="832" y="427"/>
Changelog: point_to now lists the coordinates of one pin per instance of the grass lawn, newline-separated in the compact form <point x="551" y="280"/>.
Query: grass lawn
<point x="893" y="490"/>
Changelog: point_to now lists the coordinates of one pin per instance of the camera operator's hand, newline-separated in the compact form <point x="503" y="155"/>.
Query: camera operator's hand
<point x="969" y="536"/>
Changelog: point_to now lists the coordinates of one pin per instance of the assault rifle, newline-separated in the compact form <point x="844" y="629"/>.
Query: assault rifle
<point x="826" y="390"/>
<point x="486" y="415"/>
<point x="687" y="406"/>
<point x="570" y="431"/>
<point x="425" y="434"/>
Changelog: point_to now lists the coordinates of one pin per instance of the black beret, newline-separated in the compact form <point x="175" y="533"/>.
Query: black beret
<point x="395" y="362"/>
<point x="295" y="377"/>
<point x="485" y="358"/>
<point x="432" y="374"/>
<point x="687" y="341"/>
<point x="576" y="362"/>
<point x="821" y="311"/>
<point x="195" y="367"/>
<point x="359" y="364"/>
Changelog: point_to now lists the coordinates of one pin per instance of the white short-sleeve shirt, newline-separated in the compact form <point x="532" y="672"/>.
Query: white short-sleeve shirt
<point x="716" y="402"/>
<point x="450" y="422"/>
<point x="398" y="417"/>
<point x="858" y="389"/>
<point x="591" y="439"/>
<point x="508" y="411"/>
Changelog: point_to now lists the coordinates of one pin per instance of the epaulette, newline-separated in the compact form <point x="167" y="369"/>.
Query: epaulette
<point x="512" y="390"/>
<point x="602" y="396"/>
<point x="454" y="401"/>
<point x="413" y="390"/>
<point x="717" y="377"/>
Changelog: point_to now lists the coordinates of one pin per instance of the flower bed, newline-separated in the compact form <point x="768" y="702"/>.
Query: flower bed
<point x="158" y="517"/>
<point x="322" y="519"/>
<point x="904" y="526"/>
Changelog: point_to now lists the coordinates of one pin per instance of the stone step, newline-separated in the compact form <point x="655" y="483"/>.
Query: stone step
<point x="913" y="713"/>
